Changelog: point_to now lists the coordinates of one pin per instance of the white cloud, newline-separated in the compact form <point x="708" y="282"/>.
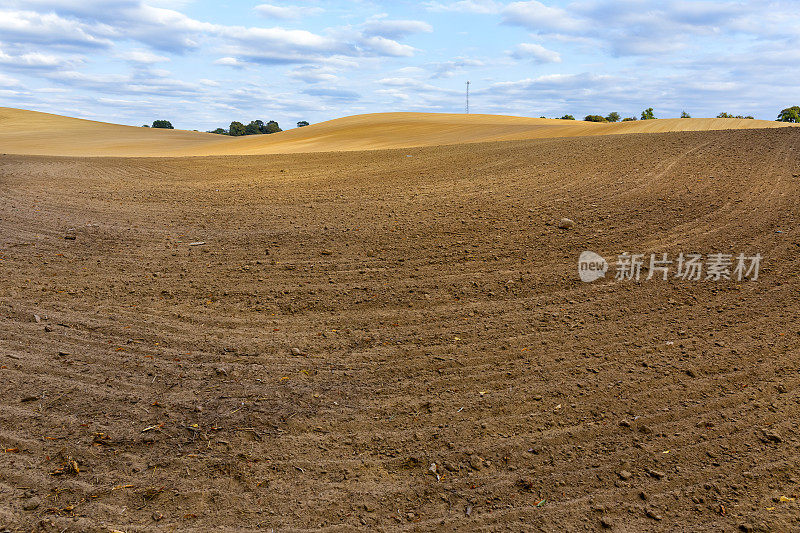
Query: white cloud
<point x="395" y="29"/>
<point x="549" y="82"/>
<point x="31" y="60"/>
<point x="482" y="7"/>
<point x="278" y="37"/>
<point x="8" y="81"/>
<point x="540" y="17"/>
<point x="99" y="23"/>
<point x="333" y="93"/>
<point x="679" y="54"/>
<point x="448" y="69"/>
<point x="535" y="52"/>
<point x="387" y="47"/>
<point x="230" y="62"/>
<point x="143" y="57"/>
<point x="313" y="74"/>
<point x="50" y="28"/>
<point x="287" y="12"/>
<point x="123" y="102"/>
<point x="282" y="46"/>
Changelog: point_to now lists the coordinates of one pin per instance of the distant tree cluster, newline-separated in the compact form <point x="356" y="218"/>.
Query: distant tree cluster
<point x="612" y="117"/>
<point x="790" y="114"/>
<point x="567" y="117"/>
<point x="163" y="124"/>
<point x="648" y="114"/>
<point x="728" y="115"/>
<point x="255" y="127"/>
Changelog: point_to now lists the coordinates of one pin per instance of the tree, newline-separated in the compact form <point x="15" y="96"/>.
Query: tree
<point x="254" y="128"/>
<point x="164" y="124"/>
<point x="236" y="129"/>
<point x="567" y="117"/>
<point x="684" y="114"/>
<point x="728" y="115"/>
<point x="613" y="117"/>
<point x="790" y="114"/>
<point x="594" y="118"/>
<point x="272" y="127"/>
<point x="219" y="131"/>
<point x="647" y="114"/>
<point x="145" y="126"/>
<point x="629" y="119"/>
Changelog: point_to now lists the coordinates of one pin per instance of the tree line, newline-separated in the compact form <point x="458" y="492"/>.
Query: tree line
<point x="790" y="114"/>
<point x="236" y="128"/>
<point x="258" y="127"/>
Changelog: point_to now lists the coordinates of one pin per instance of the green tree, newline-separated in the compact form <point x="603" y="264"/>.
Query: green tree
<point x="684" y="114"/>
<point x="567" y="117"/>
<point x="728" y="115"/>
<point x="790" y="114"/>
<point x="145" y="126"/>
<point x="613" y="117"/>
<point x="594" y="118"/>
<point x="629" y="119"/>
<point x="237" y="129"/>
<point x="647" y="114"/>
<point x="254" y="128"/>
<point x="272" y="127"/>
<point x="164" y="124"/>
<point x="302" y="124"/>
<point x="219" y="131"/>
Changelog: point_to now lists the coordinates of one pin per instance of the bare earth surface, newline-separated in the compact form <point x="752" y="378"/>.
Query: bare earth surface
<point x="451" y="373"/>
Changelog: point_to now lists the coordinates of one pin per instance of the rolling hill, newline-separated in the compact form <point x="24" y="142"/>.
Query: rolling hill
<point x="35" y="133"/>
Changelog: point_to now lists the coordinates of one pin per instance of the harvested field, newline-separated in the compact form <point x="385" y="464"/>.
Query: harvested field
<point x="29" y="132"/>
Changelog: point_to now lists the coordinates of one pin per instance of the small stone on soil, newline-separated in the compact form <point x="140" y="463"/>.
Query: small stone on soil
<point x="566" y="223"/>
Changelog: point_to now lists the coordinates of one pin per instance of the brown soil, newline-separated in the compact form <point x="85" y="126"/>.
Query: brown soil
<point x="147" y="384"/>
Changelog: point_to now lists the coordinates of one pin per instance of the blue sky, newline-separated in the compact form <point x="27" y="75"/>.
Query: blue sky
<point x="202" y="64"/>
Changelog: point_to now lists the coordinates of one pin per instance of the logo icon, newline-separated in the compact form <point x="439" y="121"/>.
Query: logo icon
<point x="591" y="266"/>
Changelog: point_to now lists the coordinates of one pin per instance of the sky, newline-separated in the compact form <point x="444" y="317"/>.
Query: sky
<point x="202" y="64"/>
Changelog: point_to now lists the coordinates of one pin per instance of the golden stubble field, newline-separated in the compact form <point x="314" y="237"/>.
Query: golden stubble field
<point x="33" y="133"/>
<point x="398" y="339"/>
